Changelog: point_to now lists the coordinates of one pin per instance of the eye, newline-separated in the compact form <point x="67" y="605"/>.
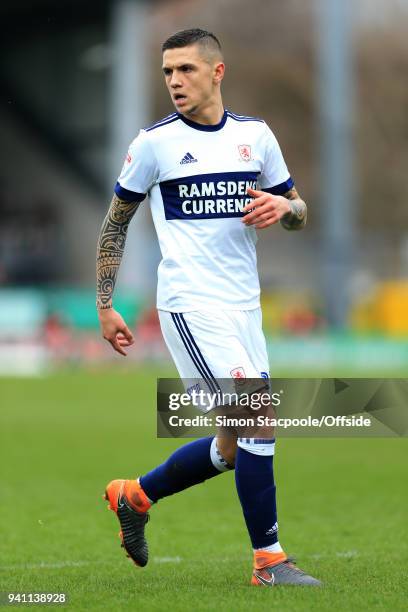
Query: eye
<point x="167" y="71"/>
<point x="186" y="68"/>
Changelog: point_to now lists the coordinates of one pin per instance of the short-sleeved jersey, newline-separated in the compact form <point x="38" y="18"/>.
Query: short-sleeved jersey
<point x="197" y="178"/>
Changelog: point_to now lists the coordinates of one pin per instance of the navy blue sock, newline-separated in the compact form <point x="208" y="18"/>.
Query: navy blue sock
<point x="186" y="467"/>
<point x="257" y="493"/>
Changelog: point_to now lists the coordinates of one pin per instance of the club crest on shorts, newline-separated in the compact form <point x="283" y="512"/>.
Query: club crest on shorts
<point x="245" y="152"/>
<point x="238" y="373"/>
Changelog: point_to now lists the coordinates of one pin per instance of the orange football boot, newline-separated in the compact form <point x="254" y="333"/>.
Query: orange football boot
<point x="130" y="503"/>
<point x="276" y="568"/>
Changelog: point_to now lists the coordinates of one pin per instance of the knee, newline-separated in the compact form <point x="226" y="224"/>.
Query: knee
<point x="228" y="448"/>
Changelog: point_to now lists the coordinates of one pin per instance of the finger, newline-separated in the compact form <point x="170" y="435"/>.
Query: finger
<point x="250" y="220"/>
<point x="269" y="220"/>
<point x="116" y="346"/>
<point x="267" y="217"/>
<point x="128" y="334"/>
<point x="119" y="349"/>
<point x="121" y="336"/>
<point x="254" y="193"/>
<point x="256" y="203"/>
<point x="123" y="341"/>
<point x="260" y="214"/>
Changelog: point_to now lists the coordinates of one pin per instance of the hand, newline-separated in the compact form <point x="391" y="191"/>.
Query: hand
<point x="269" y="209"/>
<point x="115" y="330"/>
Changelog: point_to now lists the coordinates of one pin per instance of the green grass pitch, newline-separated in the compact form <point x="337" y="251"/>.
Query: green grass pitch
<point x="342" y="509"/>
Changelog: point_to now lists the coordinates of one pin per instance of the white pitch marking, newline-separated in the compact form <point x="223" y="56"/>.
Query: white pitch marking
<point x="62" y="564"/>
<point x="43" y="565"/>
<point x="348" y="554"/>
<point x="167" y="559"/>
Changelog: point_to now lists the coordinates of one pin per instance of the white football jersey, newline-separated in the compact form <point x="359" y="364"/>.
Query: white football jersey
<point x="196" y="177"/>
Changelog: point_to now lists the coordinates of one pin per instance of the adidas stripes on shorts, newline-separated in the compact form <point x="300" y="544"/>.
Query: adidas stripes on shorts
<point x="216" y="344"/>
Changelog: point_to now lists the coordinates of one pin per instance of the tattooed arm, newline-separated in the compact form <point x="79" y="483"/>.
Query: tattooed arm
<point x="296" y="218"/>
<point x="111" y="245"/>
<point x="267" y="209"/>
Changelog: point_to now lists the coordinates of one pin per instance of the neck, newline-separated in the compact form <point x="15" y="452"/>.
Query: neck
<point x="210" y="115"/>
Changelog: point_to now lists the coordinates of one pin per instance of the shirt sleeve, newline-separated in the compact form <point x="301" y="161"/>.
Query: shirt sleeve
<point x="139" y="171"/>
<point x="275" y="177"/>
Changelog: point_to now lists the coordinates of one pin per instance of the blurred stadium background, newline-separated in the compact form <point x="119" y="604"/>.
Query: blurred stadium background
<point x="80" y="79"/>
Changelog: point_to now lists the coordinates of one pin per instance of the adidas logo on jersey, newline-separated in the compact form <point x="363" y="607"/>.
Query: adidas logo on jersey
<point x="188" y="159"/>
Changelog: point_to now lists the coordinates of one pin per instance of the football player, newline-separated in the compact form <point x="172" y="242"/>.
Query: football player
<point x="213" y="178"/>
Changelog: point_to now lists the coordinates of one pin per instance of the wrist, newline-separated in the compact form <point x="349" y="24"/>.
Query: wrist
<point x="103" y="309"/>
<point x="289" y="209"/>
<point x="295" y="219"/>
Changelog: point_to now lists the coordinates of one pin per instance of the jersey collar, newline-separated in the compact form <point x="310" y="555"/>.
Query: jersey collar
<point x="202" y="127"/>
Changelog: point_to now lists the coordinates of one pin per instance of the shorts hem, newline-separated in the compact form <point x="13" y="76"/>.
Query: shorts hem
<point x="200" y="308"/>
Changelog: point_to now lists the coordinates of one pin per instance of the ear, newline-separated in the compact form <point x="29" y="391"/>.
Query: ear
<point x="219" y="71"/>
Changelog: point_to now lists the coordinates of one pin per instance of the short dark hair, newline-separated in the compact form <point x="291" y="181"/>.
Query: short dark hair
<point x="184" y="38"/>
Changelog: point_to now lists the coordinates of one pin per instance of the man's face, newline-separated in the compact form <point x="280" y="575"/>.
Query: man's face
<point x="190" y="79"/>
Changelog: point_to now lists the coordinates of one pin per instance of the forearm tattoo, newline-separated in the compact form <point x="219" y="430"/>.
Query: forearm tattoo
<point x="296" y="218"/>
<point x="111" y="245"/>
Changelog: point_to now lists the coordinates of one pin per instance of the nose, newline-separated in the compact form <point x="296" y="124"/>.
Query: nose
<point x="175" y="80"/>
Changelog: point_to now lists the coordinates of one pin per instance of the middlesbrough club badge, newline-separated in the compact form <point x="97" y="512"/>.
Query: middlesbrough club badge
<point x="238" y="373"/>
<point x="245" y="152"/>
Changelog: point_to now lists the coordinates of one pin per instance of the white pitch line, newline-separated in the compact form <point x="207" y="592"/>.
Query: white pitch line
<point x="348" y="554"/>
<point x="62" y="564"/>
<point x="167" y="559"/>
<point x="43" y="565"/>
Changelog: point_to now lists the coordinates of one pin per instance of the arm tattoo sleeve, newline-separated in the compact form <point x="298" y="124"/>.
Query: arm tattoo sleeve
<point x="111" y="245"/>
<point x="296" y="218"/>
